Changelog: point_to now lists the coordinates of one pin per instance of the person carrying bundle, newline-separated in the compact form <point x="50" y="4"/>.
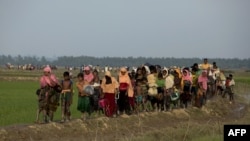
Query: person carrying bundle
<point x="83" y="104"/>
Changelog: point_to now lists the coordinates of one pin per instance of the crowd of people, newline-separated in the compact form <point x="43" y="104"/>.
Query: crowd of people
<point x="146" y="88"/>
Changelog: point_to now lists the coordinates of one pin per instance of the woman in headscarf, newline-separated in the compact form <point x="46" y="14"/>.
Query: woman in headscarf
<point x="177" y="78"/>
<point x="88" y="75"/>
<point x="49" y="95"/>
<point x="109" y="88"/>
<point x="165" y="73"/>
<point x="125" y="89"/>
<point x="202" y="84"/>
<point x="186" y="84"/>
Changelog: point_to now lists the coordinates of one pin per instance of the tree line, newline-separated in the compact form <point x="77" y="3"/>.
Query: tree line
<point x="77" y="61"/>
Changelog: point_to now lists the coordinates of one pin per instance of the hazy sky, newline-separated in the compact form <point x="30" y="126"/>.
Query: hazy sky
<point x="122" y="28"/>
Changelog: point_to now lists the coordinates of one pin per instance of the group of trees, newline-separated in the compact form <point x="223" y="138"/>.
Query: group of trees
<point x="77" y="61"/>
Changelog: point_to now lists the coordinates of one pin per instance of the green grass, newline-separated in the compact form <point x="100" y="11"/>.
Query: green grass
<point x="245" y="80"/>
<point x="19" y="103"/>
<point x="242" y="77"/>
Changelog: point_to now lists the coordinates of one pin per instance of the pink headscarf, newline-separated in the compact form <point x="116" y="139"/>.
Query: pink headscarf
<point x="88" y="77"/>
<point x="48" y="80"/>
<point x="187" y="77"/>
<point x="204" y="71"/>
<point x="203" y="79"/>
<point x="47" y="69"/>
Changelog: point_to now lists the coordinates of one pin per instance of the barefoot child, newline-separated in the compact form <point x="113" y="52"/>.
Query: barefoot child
<point x="66" y="96"/>
<point x="229" y="88"/>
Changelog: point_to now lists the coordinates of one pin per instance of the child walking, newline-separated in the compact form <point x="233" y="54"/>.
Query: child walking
<point x="66" y="96"/>
<point x="229" y="88"/>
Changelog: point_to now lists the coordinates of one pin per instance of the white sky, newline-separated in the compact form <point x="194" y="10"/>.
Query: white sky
<point x="122" y="28"/>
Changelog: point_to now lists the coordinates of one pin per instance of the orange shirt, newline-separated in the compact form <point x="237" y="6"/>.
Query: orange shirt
<point x="109" y="88"/>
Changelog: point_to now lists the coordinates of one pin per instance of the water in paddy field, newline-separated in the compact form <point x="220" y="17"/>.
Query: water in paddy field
<point x="239" y="109"/>
<point x="247" y="98"/>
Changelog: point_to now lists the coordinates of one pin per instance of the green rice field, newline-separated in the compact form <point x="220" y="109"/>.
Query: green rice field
<point x="18" y="97"/>
<point x="18" y="105"/>
<point x="19" y="101"/>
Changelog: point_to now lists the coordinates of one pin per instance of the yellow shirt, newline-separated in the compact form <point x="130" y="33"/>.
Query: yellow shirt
<point x="205" y="66"/>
